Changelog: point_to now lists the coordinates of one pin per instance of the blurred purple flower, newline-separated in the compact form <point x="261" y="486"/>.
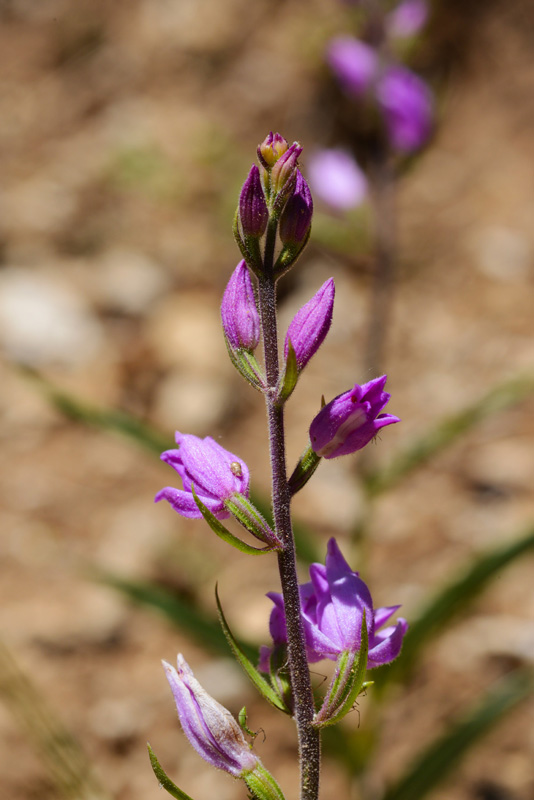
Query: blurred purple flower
<point x="407" y="19"/>
<point x="295" y="222"/>
<point x="353" y="62"/>
<point x="310" y="325"/>
<point x="215" y="474"/>
<point x="239" y="313"/>
<point x="407" y="104"/>
<point x="349" y="422"/>
<point x="208" y="725"/>
<point x="332" y="606"/>
<point x="337" y="179"/>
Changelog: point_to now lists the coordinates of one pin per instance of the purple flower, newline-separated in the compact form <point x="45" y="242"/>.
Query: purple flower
<point x="351" y="420"/>
<point x="407" y="105"/>
<point x="208" y="725"/>
<point x="240" y="318"/>
<point x="295" y="222"/>
<point x="310" y="325"/>
<point x="332" y="606"/>
<point x="215" y="474"/>
<point x="253" y="213"/>
<point x="337" y="179"/>
<point x="353" y="62"/>
<point x="407" y="19"/>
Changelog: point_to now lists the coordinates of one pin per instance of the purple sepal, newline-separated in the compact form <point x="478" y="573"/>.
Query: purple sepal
<point x="295" y="222"/>
<point x="216" y="474"/>
<point x="349" y="422"/>
<point x="332" y="606"/>
<point x="208" y="725"/>
<point x="253" y="213"/>
<point x="337" y="179"/>
<point x="240" y="318"/>
<point x="407" y="105"/>
<point x="310" y="325"/>
<point x="354" y="63"/>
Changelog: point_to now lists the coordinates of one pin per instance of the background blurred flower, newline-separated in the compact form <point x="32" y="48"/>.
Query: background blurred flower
<point x="407" y="104"/>
<point x="407" y="19"/>
<point x="336" y="179"/>
<point x="353" y="62"/>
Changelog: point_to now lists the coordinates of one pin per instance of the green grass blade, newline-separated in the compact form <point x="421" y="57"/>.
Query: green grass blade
<point x="438" y="760"/>
<point x="181" y="612"/>
<point x="448" y="431"/>
<point x="452" y="601"/>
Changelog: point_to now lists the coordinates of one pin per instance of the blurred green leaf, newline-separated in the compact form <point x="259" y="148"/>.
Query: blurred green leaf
<point x="69" y="769"/>
<point x="446" y="432"/>
<point x="103" y="418"/>
<point x="451" y="601"/>
<point x="442" y="756"/>
<point x="181" y="612"/>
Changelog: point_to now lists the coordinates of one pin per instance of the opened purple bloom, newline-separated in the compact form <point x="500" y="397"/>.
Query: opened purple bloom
<point x="353" y="62"/>
<point x="337" y="179"/>
<point x="407" y="104"/>
<point x="240" y="318"/>
<point x="215" y="474"/>
<point x="208" y="725"/>
<point x="310" y="325"/>
<point x="351" y="420"/>
<point x="332" y="606"/>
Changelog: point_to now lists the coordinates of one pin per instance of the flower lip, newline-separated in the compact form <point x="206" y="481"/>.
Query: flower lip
<point x="215" y="473"/>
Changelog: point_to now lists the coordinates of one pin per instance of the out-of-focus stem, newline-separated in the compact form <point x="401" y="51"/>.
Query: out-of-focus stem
<point x="308" y="736"/>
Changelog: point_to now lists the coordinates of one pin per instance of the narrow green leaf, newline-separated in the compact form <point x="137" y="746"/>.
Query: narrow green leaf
<point x="218" y="528"/>
<point x="164" y="779"/>
<point x="307" y="464"/>
<point x="255" y="676"/>
<point x="290" y="376"/>
<point x="438" y="760"/>
<point x="451" y="601"/>
<point x="448" y="431"/>
<point x="262" y="785"/>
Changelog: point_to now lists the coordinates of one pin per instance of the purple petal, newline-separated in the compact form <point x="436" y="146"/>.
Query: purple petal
<point x="337" y="179"/>
<point x="311" y="324"/>
<point x="184" y="503"/>
<point x="388" y="648"/>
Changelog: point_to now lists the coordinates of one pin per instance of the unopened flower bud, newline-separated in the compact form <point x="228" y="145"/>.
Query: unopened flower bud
<point x="253" y="213"/>
<point x="283" y="173"/>
<point x="208" y="725"/>
<point x="240" y="318"/>
<point x="351" y="420"/>
<point x="310" y="325"/>
<point x="270" y="150"/>
<point x="295" y="221"/>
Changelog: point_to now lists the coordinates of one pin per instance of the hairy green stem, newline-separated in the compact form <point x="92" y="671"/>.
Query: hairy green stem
<point x="308" y="736"/>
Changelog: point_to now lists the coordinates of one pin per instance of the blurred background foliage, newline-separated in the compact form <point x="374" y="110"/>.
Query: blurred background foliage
<point x="126" y="130"/>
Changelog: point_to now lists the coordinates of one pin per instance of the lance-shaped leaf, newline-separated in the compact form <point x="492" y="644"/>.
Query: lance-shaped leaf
<point x="347" y="683"/>
<point x="163" y="779"/>
<point x="218" y="528"/>
<point x="262" y="785"/>
<point x="264" y="688"/>
<point x="288" y="379"/>
<point x="307" y="464"/>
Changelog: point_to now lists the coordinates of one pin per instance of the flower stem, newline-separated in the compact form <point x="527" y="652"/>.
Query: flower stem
<point x="308" y="736"/>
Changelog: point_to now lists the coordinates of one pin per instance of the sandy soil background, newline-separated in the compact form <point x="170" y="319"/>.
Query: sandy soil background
<point x="125" y="131"/>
